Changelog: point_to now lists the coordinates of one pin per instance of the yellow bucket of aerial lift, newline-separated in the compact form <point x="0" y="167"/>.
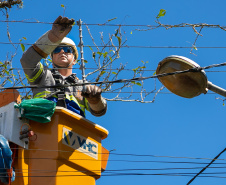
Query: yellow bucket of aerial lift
<point x="67" y="150"/>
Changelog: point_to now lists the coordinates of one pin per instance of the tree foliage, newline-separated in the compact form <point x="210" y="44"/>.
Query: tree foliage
<point x="105" y="56"/>
<point x="104" y="59"/>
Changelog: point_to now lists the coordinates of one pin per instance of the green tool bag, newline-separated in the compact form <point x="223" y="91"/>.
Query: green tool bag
<point x="38" y="109"/>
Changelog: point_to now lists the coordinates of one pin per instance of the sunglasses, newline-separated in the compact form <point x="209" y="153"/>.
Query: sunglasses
<point x="67" y="49"/>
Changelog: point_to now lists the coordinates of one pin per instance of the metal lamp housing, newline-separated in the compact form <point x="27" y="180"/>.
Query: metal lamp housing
<point x="187" y="85"/>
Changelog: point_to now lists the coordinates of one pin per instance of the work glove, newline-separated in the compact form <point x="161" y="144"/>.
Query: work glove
<point x="92" y="93"/>
<point x="61" y="27"/>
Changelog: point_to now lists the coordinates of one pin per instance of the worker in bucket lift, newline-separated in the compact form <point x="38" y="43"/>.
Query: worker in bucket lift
<point x="64" y="55"/>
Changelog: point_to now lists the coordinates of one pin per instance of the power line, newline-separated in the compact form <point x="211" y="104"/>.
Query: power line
<point x="123" y="154"/>
<point x="126" y="46"/>
<point x="182" y="25"/>
<point x="129" y="161"/>
<point x="92" y="68"/>
<point x="31" y="22"/>
<point x="206" y="167"/>
<point x="135" y="161"/>
<point x="118" y="170"/>
<point x="176" y="157"/>
<point x="196" y="69"/>
<point x="19" y="171"/>
<point x="120" y="92"/>
<point x="125" y="174"/>
<point x="113" y="69"/>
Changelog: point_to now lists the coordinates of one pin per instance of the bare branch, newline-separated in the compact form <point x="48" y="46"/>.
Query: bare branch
<point x="10" y="3"/>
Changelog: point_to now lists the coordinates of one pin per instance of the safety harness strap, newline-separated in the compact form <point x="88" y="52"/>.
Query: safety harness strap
<point x="61" y="91"/>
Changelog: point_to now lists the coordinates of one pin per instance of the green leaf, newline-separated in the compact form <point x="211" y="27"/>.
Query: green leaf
<point x="10" y="80"/>
<point x="138" y="83"/>
<point x="135" y="70"/>
<point x="111" y="19"/>
<point x="114" y="73"/>
<point x="102" y="72"/>
<point x="99" y="53"/>
<point x="195" y="47"/>
<point x="85" y="61"/>
<point x="133" y="82"/>
<point x="119" y="40"/>
<point x="110" y="58"/>
<point x="105" y="54"/>
<point x="162" y="13"/>
<point x="90" y="48"/>
<point x="154" y="73"/>
<point x="22" y="47"/>
<point x="131" y="32"/>
<point x="62" y="5"/>
<point x="22" y="39"/>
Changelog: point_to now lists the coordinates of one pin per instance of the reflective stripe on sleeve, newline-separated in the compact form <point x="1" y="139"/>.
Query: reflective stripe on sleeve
<point x="37" y="74"/>
<point x="43" y="94"/>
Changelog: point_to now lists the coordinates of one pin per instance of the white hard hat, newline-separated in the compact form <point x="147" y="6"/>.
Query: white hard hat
<point x="71" y="43"/>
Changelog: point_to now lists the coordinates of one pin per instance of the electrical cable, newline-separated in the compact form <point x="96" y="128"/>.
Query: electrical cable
<point x="143" y="47"/>
<point x="124" y="154"/>
<point x="183" y="25"/>
<point x="123" y="174"/>
<point x="136" y="155"/>
<point x="128" y="161"/>
<point x="124" y="69"/>
<point x="196" y="69"/>
<point x="119" y="170"/>
<point x="206" y="167"/>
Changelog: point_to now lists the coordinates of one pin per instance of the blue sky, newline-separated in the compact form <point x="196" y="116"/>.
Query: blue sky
<point x="184" y="129"/>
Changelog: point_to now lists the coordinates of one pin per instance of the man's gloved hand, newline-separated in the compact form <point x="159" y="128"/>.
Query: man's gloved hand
<point x="61" y="27"/>
<point x="92" y="93"/>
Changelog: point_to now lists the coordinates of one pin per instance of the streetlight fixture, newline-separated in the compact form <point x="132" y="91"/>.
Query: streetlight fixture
<point x="189" y="84"/>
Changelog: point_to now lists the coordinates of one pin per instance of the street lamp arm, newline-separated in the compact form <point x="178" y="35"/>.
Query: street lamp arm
<point x="216" y="89"/>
